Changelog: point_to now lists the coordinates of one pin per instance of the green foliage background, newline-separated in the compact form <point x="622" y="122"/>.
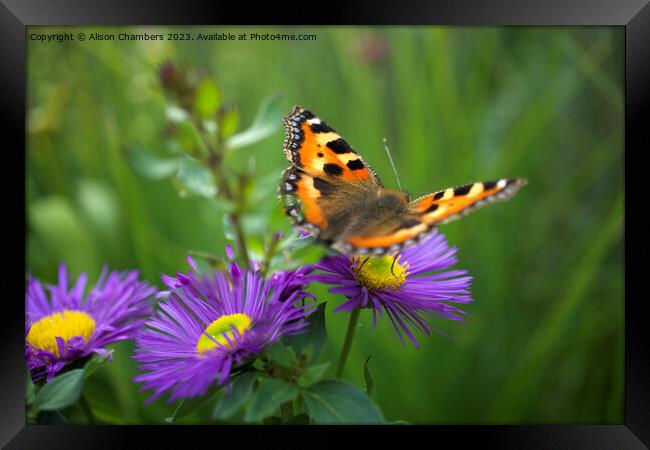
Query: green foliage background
<point x="543" y="341"/>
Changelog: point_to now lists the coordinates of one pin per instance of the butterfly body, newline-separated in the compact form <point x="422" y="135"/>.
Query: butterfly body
<point x="332" y="193"/>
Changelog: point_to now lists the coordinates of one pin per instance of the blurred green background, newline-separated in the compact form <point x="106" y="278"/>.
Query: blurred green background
<point x="543" y="341"/>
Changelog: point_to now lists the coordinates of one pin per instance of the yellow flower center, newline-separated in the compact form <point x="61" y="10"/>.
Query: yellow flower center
<point x="379" y="272"/>
<point x="65" y="324"/>
<point x="221" y="328"/>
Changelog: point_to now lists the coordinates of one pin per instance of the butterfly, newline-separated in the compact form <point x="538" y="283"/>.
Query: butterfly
<point x="331" y="193"/>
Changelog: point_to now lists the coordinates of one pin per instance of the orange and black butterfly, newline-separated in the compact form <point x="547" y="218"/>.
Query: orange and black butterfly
<point x="332" y="193"/>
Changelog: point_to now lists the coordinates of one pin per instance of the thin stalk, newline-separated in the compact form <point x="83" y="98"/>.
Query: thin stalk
<point x="85" y="407"/>
<point x="227" y="193"/>
<point x="270" y="253"/>
<point x="349" y="336"/>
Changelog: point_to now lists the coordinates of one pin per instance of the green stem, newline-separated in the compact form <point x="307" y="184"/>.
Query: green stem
<point x="349" y="335"/>
<point x="286" y="411"/>
<point x="240" y="238"/>
<point x="85" y="407"/>
<point x="224" y="188"/>
<point x="270" y="253"/>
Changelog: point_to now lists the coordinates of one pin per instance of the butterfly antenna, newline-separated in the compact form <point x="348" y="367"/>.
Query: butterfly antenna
<point x="390" y="158"/>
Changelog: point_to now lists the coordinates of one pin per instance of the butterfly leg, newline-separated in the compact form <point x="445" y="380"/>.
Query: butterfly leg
<point x="362" y="263"/>
<point x="392" y="266"/>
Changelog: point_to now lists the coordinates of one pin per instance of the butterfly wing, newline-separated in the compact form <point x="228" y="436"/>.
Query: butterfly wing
<point x="314" y="147"/>
<point x="389" y="235"/>
<point x="401" y="228"/>
<point x="327" y="180"/>
<point x="317" y="205"/>
<point x="452" y="203"/>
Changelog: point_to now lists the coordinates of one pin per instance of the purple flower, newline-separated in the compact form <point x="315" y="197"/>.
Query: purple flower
<point x="69" y="327"/>
<point x="403" y="287"/>
<point x="212" y="322"/>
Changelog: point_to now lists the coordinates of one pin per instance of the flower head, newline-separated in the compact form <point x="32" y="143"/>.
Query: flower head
<point x="210" y="323"/>
<point x="69" y="326"/>
<point x="401" y="286"/>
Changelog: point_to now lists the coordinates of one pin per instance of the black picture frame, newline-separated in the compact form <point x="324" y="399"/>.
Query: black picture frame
<point x="633" y="15"/>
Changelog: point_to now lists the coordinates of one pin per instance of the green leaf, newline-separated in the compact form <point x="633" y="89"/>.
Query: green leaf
<point x="206" y="261"/>
<point x="313" y="373"/>
<point x="337" y="402"/>
<point x="149" y="165"/>
<point x="186" y="138"/>
<point x="294" y="242"/>
<point x="229" y="123"/>
<point x="282" y="355"/>
<point x="30" y="389"/>
<point x="196" y="178"/>
<point x="208" y="98"/>
<point x="62" y="391"/>
<point x="242" y="388"/>
<point x="259" y="365"/>
<point x="266" y="122"/>
<point x="96" y="362"/>
<point x="310" y="254"/>
<point x="300" y="419"/>
<point x="268" y="397"/>
<point x="370" y="383"/>
<point x="228" y="228"/>
<point x="224" y="206"/>
<point x="189" y="405"/>
<point x="174" y="114"/>
<point x="314" y="336"/>
<point x="50" y="418"/>
<point x="210" y="125"/>
<point x="273" y="420"/>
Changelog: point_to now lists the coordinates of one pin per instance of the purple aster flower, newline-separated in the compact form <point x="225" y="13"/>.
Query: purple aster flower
<point x="68" y="327"/>
<point x="403" y="287"/>
<point x="212" y="322"/>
